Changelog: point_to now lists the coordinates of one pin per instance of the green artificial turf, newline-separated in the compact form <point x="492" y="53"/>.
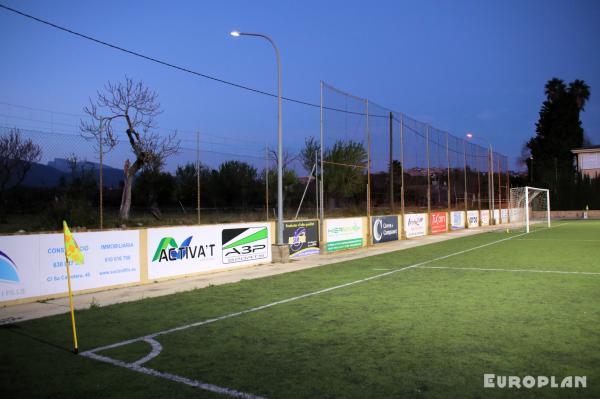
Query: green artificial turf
<point x="422" y="332"/>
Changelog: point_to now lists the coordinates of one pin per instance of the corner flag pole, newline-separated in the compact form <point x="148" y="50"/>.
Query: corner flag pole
<point x="72" y="253"/>
<point x="75" y="348"/>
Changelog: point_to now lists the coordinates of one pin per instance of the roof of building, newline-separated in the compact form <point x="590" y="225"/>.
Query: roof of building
<point x="593" y="148"/>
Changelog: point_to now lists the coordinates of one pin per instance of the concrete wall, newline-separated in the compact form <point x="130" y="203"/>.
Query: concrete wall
<point x="356" y="228"/>
<point x="592" y="214"/>
<point x="38" y="271"/>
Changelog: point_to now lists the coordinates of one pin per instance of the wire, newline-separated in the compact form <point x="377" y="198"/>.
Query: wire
<point x="40" y="109"/>
<point x="183" y="69"/>
<point x="76" y="126"/>
<point x="170" y="65"/>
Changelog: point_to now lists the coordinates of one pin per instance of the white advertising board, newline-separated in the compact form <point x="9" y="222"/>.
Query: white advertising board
<point x="415" y="224"/>
<point x="473" y="219"/>
<point x="344" y="233"/>
<point x="485" y="217"/>
<point x="457" y="220"/>
<point x="175" y="251"/>
<point x="504" y="215"/>
<point x="517" y="215"/>
<point x="38" y="266"/>
<point x="497" y="215"/>
<point x="19" y="267"/>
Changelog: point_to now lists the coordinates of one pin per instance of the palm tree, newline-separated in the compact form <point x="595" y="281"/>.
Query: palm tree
<point x="580" y="91"/>
<point x="554" y="88"/>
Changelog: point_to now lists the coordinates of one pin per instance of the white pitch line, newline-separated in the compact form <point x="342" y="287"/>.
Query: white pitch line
<point x="156" y="349"/>
<point x="554" y="239"/>
<point x="509" y="270"/>
<point x="172" y="377"/>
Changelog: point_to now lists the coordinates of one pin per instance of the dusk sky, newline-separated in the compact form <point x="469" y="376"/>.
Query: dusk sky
<point x="462" y="66"/>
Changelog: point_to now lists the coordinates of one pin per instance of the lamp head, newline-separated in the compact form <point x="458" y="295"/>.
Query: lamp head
<point x="469" y="136"/>
<point x="235" y="33"/>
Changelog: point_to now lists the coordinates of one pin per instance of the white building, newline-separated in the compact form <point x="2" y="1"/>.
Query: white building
<point x="588" y="160"/>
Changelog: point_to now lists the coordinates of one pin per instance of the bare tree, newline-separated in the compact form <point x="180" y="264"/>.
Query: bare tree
<point x="136" y="105"/>
<point x="288" y="158"/>
<point x="16" y="157"/>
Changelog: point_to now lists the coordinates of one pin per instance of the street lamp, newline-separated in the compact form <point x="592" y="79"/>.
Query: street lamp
<point x="531" y="169"/>
<point x="491" y="160"/>
<point x="236" y="33"/>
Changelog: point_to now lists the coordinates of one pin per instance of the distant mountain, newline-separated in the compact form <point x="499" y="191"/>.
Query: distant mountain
<point x="49" y="175"/>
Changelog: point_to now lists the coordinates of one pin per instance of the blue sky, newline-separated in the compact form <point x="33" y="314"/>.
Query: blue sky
<point x="461" y="66"/>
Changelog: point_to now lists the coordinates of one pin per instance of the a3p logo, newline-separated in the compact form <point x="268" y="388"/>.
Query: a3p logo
<point x="244" y="244"/>
<point x="8" y="269"/>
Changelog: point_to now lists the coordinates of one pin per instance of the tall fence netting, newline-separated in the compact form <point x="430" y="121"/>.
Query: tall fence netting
<point x="362" y="159"/>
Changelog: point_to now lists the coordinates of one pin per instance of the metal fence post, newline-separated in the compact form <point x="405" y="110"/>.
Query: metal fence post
<point x="402" y="232"/>
<point x="198" y="173"/>
<point x="491" y="185"/>
<point x="368" y="169"/>
<point x="466" y="194"/>
<point x="478" y="180"/>
<point x="449" y="177"/>
<point x="322" y="216"/>
<point x="428" y="176"/>
<point x="267" y="180"/>
<point x="391" y="166"/>
<point x="317" y="184"/>
<point x="499" y="191"/>
<point x="101" y="179"/>
<point x="507" y="189"/>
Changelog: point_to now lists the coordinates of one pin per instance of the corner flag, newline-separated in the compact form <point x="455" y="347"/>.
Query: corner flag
<point x="72" y="251"/>
<point x="73" y="254"/>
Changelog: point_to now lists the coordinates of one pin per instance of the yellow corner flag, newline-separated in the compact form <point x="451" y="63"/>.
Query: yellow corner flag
<point x="72" y="253"/>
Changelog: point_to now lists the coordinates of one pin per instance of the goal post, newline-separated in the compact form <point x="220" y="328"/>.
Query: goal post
<point x="529" y="207"/>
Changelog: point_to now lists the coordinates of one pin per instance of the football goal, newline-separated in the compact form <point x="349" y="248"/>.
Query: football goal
<point x="529" y="208"/>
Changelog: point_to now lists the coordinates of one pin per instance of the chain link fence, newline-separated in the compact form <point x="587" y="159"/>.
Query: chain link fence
<point x="364" y="159"/>
<point x="409" y="166"/>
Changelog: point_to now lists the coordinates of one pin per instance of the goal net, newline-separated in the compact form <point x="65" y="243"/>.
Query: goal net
<point x="529" y="208"/>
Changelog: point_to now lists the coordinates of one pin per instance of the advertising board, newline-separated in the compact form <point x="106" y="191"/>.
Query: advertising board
<point x="415" y="224"/>
<point x="485" y="217"/>
<point x="302" y="236"/>
<point x="344" y="234"/>
<point x="497" y="215"/>
<point x="174" y="251"/>
<point x="34" y="265"/>
<point x="473" y="218"/>
<point x="384" y="228"/>
<point x="439" y="222"/>
<point x="504" y="215"/>
<point x="457" y="220"/>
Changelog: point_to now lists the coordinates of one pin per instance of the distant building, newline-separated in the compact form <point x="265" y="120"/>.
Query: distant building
<point x="588" y="160"/>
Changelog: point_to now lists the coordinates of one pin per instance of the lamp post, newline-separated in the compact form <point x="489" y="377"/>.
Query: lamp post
<point x="279" y="134"/>
<point x="531" y="169"/>
<point x="491" y="169"/>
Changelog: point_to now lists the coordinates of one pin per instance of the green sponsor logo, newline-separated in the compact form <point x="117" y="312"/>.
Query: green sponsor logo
<point x="343" y="229"/>
<point x="344" y="244"/>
